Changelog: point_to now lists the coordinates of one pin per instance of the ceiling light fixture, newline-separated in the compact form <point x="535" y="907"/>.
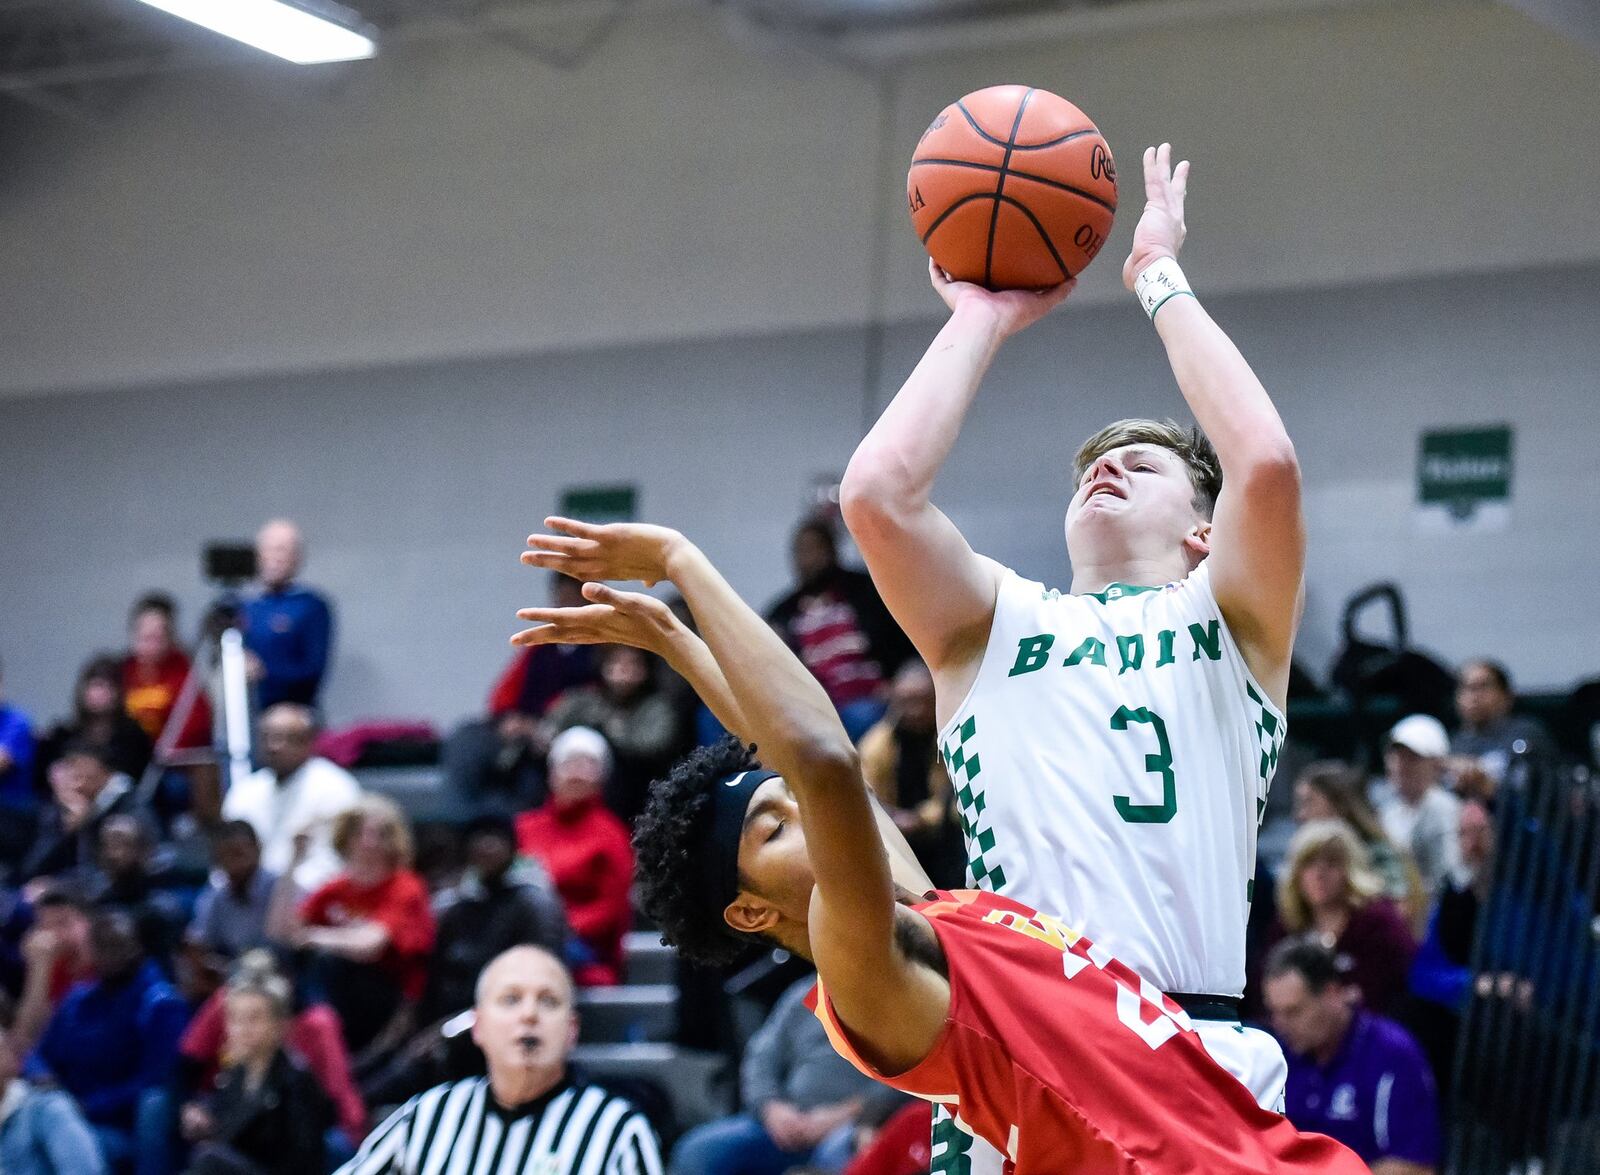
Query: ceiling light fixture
<point x="303" y="31"/>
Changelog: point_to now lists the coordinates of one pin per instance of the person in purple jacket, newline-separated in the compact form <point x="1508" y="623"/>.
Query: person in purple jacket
<point x="1354" y="1076"/>
<point x="288" y="629"/>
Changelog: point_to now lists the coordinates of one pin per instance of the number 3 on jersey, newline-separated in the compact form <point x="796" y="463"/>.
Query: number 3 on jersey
<point x="1159" y="763"/>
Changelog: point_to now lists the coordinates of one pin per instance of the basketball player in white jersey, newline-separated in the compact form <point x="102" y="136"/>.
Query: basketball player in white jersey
<point x="1111" y="748"/>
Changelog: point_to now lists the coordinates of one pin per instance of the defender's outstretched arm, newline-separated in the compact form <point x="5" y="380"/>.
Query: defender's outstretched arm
<point x="896" y="1004"/>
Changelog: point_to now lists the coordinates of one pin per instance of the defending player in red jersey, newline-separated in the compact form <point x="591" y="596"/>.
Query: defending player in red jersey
<point x="1040" y="1042"/>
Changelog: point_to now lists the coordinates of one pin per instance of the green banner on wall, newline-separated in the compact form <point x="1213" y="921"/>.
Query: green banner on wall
<point x="1464" y="476"/>
<point x="617" y="503"/>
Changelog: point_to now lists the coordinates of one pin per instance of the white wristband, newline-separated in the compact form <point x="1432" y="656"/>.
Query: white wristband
<point x="1158" y="283"/>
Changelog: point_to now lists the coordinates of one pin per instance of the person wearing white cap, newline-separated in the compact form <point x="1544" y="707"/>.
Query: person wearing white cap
<point x="585" y="849"/>
<point x="1417" y="812"/>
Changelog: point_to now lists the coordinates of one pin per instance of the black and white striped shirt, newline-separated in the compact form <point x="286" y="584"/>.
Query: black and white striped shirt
<point x="459" y="1129"/>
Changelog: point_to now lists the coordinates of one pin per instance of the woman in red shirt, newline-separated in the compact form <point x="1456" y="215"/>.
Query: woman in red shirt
<point x="370" y="930"/>
<point x="585" y="849"/>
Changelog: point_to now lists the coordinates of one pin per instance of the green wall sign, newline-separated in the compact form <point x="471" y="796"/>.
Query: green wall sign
<point x="1462" y="469"/>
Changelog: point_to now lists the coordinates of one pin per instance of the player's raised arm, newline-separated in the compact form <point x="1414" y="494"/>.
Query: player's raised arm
<point x="798" y="734"/>
<point x="1258" y="539"/>
<point x="938" y="589"/>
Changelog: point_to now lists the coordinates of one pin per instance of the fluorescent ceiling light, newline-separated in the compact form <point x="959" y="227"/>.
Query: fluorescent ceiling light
<point x="292" y="31"/>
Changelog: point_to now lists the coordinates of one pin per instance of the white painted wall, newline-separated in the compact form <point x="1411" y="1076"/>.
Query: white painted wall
<point x="457" y="200"/>
<point x="417" y="484"/>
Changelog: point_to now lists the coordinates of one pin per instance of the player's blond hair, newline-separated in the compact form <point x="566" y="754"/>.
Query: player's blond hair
<point x="1191" y="445"/>
<point x="1332" y="838"/>
<point x="397" y="831"/>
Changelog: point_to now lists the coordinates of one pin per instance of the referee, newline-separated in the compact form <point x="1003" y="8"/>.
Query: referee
<point x="528" y="1116"/>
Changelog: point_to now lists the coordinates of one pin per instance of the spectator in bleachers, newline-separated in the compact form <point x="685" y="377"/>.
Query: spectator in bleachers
<point x="638" y="722"/>
<point x="799" y="1095"/>
<point x="42" y="1131"/>
<point x="1330" y="790"/>
<point x="900" y="761"/>
<point x="113" y="1045"/>
<point x="87" y="790"/>
<point x="1329" y="891"/>
<point x="99" y="718"/>
<point x="499" y="903"/>
<point x="288" y="629"/>
<point x="123" y="879"/>
<point x="1416" y="809"/>
<point x="1353" y="1075"/>
<point x="500" y="762"/>
<point x="154" y="675"/>
<point x="585" y="849"/>
<point x="19" y="795"/>
<point x="294" y="794"/>
<point x="530" y="1104"/>
<point x="267" y="1115"/>
<point x="1490" y="733"/>
<point x="370" y="929"/>
<point x="230" y="916"/>
<point x="56" y="956"/>
<point x="1534" y="931"/>
<point x="1441" y="977"/>
<point x="312" y="1036"/>
<point x="154" y="672"/>
<point x="837" y="624"/>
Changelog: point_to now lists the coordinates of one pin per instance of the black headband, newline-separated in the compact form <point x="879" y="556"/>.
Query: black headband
<point x="719" y="846"/>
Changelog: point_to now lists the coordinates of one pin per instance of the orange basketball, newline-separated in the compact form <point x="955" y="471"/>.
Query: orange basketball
<point x="1012" y="188"/>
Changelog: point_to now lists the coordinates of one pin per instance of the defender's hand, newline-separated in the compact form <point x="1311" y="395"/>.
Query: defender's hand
<point x="610" y="618"/>
<point x="1012" y="310"/>
<point x="1160" y="231"/>
<point x="622" y="550"/>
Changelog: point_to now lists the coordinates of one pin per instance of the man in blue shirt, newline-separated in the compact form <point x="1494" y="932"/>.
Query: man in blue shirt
<point x="288" y="629"/>
<point x="1354" y="1076"/>
<point x="113" y="1045"/>
<point x="41" y="1130"/>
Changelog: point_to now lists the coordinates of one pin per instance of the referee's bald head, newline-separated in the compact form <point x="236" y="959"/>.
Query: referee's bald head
<point x="518" y="958"/>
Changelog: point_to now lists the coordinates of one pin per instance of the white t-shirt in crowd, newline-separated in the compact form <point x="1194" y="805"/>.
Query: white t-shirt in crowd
<point x="307" y="801"/>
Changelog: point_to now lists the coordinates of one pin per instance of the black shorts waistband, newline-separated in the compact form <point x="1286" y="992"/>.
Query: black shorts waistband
<point x="1206" y="1007"/>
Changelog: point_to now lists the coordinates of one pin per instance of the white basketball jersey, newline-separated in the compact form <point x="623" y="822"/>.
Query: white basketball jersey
<point x="1111" y="763"/>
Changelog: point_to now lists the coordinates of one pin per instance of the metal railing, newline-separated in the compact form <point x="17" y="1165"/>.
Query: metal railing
<point x="1525" y="1094"/>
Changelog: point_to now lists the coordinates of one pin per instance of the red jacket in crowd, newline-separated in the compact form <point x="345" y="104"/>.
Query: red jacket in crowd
<point x="585" y="849"/>
<point x="400" y="904"/>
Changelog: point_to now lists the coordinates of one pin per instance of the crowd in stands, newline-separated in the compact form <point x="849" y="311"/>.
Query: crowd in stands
<point x="246" y="979"/>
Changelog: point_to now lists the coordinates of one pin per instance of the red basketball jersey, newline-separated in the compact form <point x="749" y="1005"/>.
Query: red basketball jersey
<point x="1067" y="1062"/>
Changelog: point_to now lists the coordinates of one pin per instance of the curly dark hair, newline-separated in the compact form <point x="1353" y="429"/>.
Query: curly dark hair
<point x="667" y="844"/>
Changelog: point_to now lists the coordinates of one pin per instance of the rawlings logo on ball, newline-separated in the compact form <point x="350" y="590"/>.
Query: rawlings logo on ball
<point x="1101" y="165"/>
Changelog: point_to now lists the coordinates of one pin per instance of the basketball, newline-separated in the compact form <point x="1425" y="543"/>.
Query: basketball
<point x="1013" y="188"/>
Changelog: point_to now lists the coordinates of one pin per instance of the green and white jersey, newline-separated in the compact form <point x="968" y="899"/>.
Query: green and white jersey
<point x="1111" y="762"/>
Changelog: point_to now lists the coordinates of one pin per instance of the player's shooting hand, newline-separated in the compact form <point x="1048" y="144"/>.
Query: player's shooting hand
<point x="1012" y="309"/>
<point x="621" y="550"/>
<point x="1160" y="230"/>
<point x="611" y="617"/>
